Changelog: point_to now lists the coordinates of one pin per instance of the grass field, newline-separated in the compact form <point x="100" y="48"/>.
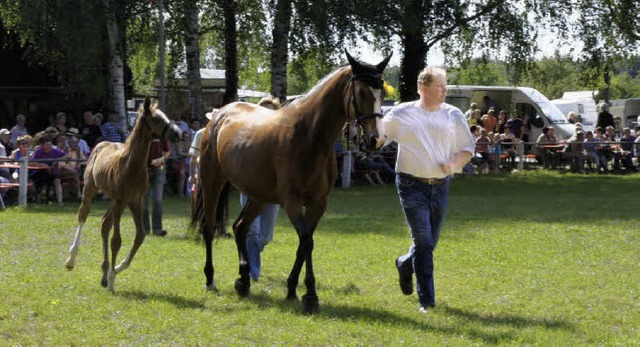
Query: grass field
<point x="524" y="259"/>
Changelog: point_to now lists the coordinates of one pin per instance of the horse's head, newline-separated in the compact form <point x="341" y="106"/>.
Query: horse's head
<point x="157" y="122"/>
<point x="365" y="99"/>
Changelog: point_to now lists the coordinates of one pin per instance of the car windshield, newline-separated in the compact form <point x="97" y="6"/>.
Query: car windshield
<point x="554" y="115"/>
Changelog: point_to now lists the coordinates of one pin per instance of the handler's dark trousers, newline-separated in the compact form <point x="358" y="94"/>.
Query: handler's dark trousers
<point x="424" y="207"/>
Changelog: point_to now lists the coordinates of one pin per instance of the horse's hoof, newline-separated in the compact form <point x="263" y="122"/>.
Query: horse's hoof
<point x="310" y="304"/>
<point x="69" y="266"/>
<point x="292" y="297"/>
<point x="104" y="282"/>
<point x="212" y="288"/>
<point x="242" y="287"/>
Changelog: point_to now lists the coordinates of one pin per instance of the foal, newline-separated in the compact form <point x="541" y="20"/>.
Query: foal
<point x="120" y="171"/>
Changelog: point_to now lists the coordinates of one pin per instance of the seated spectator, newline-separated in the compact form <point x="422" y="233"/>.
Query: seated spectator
<point x="510" y="145"/>
<point x="474" y="118"/>
<point x="5" y="140"/>
<point x="72" y="170"/>
<point x="591" y="145"/>
<point x="547" y="155"/>
<point x="51" y="175"/>
<point x="376" y="165"/>
<point x="637" y="142"/>
<point x="81" y="144"/>
<point x="483" y="148"/>
<point x="4" y="172"/>
<point x="496" y="150"/>
<point x="624" y="152"/>
<point x="573" y="152"/>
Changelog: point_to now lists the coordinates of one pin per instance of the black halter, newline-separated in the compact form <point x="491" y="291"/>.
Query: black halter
<point x="373" y="80"/>
<point x="144" y="120"/>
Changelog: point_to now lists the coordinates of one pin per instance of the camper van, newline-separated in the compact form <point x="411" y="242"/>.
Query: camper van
<point x="521" y="100"/>
<point x="583" y="104"/>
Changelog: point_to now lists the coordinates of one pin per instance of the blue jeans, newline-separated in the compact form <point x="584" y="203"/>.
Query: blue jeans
<point x="424" y="207"/>
<point x="259" y="235"/>
<point x="156" y="191"/>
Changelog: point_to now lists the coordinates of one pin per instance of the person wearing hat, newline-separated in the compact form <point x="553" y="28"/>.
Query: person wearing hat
<point x="82" y="144"/>
<point x="5" y="140"/>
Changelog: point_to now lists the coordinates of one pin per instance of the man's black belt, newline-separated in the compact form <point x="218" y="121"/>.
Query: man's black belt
<point x="429" y="181"/>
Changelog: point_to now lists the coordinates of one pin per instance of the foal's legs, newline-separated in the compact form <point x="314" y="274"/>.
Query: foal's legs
<point x="136" y="211"/>
<point x="90" y="191"/>
<point x="107" y="223"/>
<point x="116" y="243"/>
<point x="240" y="229"/>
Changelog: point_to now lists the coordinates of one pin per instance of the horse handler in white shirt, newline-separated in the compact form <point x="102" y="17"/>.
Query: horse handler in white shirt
<point x="434" y="142"/>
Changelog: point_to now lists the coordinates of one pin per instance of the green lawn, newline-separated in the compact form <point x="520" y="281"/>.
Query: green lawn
<point x="524" y="259"/>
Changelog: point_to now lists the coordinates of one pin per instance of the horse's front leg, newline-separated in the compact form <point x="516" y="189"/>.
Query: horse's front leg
<point x="313" y="214"/>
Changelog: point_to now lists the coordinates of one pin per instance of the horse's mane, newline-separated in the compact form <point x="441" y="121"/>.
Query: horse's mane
<point x="319" y="86"/>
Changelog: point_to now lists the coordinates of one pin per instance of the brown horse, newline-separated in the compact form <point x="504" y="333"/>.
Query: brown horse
<point x="120" y="171"/>
<point x="285" y="157"/>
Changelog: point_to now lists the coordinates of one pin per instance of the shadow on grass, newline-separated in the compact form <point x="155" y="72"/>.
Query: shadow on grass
<point x="421" y="322"/>
<point x="175" y="300"/>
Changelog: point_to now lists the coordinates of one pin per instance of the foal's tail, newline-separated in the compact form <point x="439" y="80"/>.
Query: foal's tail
<point x="222" y="211"/>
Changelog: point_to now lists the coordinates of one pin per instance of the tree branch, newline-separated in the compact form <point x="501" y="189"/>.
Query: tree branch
<point x="456" y="25"/>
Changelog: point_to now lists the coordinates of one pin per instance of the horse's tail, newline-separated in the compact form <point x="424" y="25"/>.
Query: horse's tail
<point x="222" y="211"/>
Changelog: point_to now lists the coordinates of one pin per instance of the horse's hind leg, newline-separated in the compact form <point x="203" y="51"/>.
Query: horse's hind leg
<point x="240" y="229"/>
<point x="116" y="243"/>
<point x="136" y="211"/>
<point x="107" y="222"/>
<point x="90" y="192"/>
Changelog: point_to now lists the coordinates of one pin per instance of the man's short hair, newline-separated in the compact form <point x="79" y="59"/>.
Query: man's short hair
<point x="427" y="75"/>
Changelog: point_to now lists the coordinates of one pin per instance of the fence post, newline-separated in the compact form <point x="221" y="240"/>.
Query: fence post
<point x="23" y="178"/>
<point x="521" y="156"/>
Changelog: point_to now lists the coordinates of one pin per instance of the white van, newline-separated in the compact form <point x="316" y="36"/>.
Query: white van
<point x="521" y="100"/>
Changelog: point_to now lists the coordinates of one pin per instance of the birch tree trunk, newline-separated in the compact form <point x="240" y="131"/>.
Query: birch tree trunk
<point x="280" y="48"/>
<point x="116" y="90"/>
<point x="192" y="48"/>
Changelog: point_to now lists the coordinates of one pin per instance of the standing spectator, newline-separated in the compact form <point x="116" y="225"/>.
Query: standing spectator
<point x="111" y="130"/>
<point x="180" y="162"/>
<point x="637" y="142"/>
<point x="4" y="172"/>
<point x="489" y="121"/>
<point x="194" y="126"/>
<point x="474" y="119"/>
<point x="98" y="120"/>
<point x="61" y="122"/>
<point x="19" y="129"/>
<point x="159" y="152"/>
<point x="182" y="125"/>
<point x="470" y="111"/>
<point x="574" y="118"/>
<point x="605" y="118"/>
<point x="516" y="125"/>
<point x="90" y="132"/>
<point x="5" y="140"/>
<point x="502" y="122"/>
<point x="434" y="142"/>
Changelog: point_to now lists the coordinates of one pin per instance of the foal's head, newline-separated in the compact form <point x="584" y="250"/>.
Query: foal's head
<point x="365" y="99"/>
<point x="155" y="121"/>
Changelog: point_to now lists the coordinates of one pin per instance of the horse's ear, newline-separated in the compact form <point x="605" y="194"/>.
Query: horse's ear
<point x="383" y="64"/>
<point x="147" y="104"/>
<point x="352" y="61"/>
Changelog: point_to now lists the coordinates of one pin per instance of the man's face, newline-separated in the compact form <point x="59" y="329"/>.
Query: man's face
<point x="5" y="137"/>
<point x="47" y="147"/>
<point x="437" y="90"/>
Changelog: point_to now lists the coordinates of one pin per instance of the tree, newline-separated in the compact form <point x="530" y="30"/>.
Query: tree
<point x="192" y="49"/>
<point x="116" y="83"/>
